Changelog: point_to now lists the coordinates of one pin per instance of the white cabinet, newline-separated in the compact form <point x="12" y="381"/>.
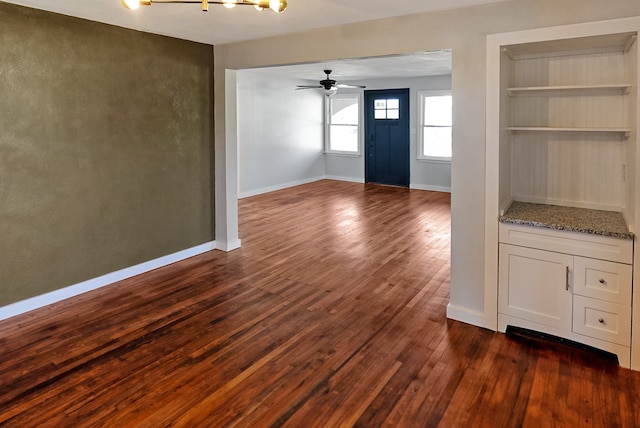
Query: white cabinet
<point x="546" y="284"/>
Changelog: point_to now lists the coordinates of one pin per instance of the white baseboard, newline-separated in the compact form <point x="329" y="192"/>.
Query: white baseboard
<point x="341" y="178"/>
<point x="466" y="315"/>
<point x="229" y="246"/>
<point x="430" y="188"/>
<point x="263" y="190"/>
<point x="36" y="302"/>
<point x="281" y="186"/>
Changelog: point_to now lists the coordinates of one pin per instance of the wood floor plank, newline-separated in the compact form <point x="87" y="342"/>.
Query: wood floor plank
<point x="331" y="314"/>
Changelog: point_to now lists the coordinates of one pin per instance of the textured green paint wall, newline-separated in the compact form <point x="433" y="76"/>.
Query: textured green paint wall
<point x="106" y="149"/>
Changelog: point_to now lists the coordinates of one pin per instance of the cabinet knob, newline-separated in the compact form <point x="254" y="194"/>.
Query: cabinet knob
<point x="601" y="321"/>
<point x="601" y="281"/>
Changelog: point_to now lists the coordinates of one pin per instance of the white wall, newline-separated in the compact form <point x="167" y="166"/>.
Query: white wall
<point x="464" y="31"/>
<point x="279" y="133"/>
<point x="344" y="167"/>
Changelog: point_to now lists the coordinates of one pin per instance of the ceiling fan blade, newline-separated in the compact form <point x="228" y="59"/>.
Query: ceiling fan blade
<point x="308" y="87"/>
<point x="342" y="85"/>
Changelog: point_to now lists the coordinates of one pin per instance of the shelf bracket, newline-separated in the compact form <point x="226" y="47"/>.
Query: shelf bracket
<point x="630" y="42"/>
<point x="508" y="52"/>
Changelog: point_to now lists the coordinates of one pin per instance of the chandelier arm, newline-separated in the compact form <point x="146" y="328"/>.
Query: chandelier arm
<point x="277" y="6"/>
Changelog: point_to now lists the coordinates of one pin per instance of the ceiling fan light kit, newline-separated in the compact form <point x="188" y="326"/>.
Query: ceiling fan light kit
<point x="329" y="92"/>
<point x="277" y="6"/>
<point x="328" y="85"/>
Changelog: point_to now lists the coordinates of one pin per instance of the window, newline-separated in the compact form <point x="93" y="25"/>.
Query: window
<point x="388" y="108"/>
<point x="342" y="129"/>
<point x="435" y="124"/>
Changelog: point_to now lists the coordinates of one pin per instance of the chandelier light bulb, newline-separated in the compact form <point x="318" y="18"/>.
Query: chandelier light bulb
<point x="229" y="3"/>
<point x="131" y="4"/>
<point x="278" y="6"/>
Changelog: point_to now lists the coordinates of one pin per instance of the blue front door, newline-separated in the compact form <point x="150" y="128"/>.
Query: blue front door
<point x="387" y="136"/>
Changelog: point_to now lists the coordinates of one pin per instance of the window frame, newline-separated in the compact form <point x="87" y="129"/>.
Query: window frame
<point x="421" y="96"/>
<point x="328" y="124"/>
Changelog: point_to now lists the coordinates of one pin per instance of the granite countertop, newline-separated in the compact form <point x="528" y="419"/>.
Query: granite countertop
<point x="595" y="222"/>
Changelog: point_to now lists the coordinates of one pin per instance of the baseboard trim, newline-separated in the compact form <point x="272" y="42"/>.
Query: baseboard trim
<point x="341" y="178"/>
<point x="465" y="315"/>
<point x="36" y="302"/>
<point x="281" y="186"/>
<point x="430" y="188"/>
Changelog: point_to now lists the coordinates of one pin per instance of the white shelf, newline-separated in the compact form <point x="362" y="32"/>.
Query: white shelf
<point x="624" y="132"/>
<point x="572" y="46"/>
<point x="570" y="90"/>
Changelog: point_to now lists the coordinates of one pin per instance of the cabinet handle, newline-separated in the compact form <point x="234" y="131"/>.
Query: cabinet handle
<point x="567" y="279"/>
<point x="601" y="281"/>
<point x="601" y="321"/>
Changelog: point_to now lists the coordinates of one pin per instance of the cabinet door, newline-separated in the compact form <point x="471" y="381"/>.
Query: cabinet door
<point x="533" y="285"/>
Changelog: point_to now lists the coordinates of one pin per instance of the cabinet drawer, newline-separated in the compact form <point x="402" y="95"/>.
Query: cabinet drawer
<point x="603" y="280"/>
<point x="602" y="320"/>
<point x="579" y="244"/>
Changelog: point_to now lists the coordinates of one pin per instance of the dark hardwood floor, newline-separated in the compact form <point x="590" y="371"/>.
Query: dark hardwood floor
<point x="332" y="314"/>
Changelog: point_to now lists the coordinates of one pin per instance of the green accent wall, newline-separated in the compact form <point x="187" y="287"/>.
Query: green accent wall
<point x="106" y="149"/>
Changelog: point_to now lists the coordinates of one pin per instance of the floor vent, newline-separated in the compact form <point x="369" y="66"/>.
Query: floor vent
<point x="540" y="338"/>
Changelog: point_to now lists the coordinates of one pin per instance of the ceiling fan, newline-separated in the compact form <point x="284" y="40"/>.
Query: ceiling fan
<point x="328" y="85"/>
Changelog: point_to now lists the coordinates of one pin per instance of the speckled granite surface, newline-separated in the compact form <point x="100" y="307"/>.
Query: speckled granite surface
<point x="596" y="222"/>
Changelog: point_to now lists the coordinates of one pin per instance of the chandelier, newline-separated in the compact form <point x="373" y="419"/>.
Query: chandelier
<point x="277" y="6"/>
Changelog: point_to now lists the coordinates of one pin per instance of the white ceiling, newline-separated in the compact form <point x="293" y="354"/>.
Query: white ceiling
<point x="350" y="70"/>
<point x="221" y="25"/>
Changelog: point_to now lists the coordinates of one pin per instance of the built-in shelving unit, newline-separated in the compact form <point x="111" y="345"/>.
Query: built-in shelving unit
<point x="562" y="184"/>
<point x="567" y="137"/>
